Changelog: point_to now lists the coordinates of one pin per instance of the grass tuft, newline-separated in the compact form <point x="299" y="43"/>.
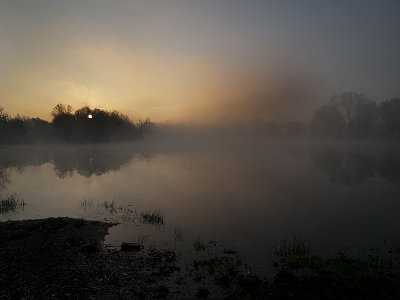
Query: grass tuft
<point x="11" y="203"/>
<point x="153" y="217"/>
<point x="199" y="245"/>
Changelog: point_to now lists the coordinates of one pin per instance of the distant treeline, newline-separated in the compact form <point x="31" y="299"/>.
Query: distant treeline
<point x="85" y="125"/>
<point x="348" y="115"/>
<point x="353" y="163"/>
<point x="352" y="115"/>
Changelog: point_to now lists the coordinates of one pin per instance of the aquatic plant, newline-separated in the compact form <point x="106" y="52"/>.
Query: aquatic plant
<point x="178" y="233"/>
<point x="86" y="203"/>
<point x="224" y="269"/>
<point x="11" y="203"/>
<point x="153" y="217"/>
<point x="297" y="246"/>
<point x="111" y="206"/>
<point x="199" y="245"/>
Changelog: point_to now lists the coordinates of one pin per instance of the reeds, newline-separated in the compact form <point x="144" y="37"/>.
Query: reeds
<point x="153" y="217"/>
<point x="11" y="203"/>
<point x="178" y="233"/>
<point x="296" y="246"/>
<point x="199" y="245"/>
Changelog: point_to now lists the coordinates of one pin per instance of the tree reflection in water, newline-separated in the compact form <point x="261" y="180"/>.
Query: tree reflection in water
<point x="353" y="164"/>
<point x="85" y="160"/>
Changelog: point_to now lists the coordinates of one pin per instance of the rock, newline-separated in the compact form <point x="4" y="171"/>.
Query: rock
<point x="131" y="247"/>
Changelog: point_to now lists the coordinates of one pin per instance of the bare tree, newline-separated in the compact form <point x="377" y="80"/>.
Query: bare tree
<point x="61" y="109"/>
<point x="357" y="111"/>
<point x="3" y="114"/>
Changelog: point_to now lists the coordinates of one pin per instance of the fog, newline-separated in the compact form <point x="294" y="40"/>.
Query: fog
<point x="196" y="62"/>
<point x="204" y="133"/>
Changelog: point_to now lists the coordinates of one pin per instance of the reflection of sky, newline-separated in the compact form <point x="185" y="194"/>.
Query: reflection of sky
<point x="253" y="196"/>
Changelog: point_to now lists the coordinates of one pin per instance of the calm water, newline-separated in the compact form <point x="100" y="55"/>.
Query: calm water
<point x="246" y="193"/>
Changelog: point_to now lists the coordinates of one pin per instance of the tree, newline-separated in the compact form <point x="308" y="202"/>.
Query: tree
<point x="63" y="121"/>
<point x="389" y="118"/>
<point x="348" y="114"/>
<point x="83" y="113"/>
<point x="357" y="111"/>
<point x="61" y="109"/>
<point x="145" y="125"/>
<point x="3" y="115"/>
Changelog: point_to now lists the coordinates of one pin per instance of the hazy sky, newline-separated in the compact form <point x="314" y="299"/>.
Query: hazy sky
<point x="196" y="60"/>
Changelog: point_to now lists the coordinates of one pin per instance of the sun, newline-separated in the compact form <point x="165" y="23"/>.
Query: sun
<point x="90" y="116"/>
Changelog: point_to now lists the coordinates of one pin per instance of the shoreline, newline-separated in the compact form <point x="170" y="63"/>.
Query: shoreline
<point x="58" y="258"/>
<point x="65" y="258"/>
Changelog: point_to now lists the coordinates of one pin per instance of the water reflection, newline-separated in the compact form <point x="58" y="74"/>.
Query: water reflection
<point x="4" y="178"/>
<point x="11" y="204"/>
<point x="350" y="164"/>
<point x="250" y="192"/>
<point x="123" y="213"/>
<point x="90" y="161"/>
<point x="86" y="160"/>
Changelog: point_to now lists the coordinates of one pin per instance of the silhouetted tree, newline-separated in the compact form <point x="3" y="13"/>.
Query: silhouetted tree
<point x="61" y="109"/>
<point x="63" y="120"/>
<point x="96" y="125"/>
<point x="83" y="126"/>
<point x="145" y="125"/>
<point x="3" y="115"/>
<point x="389" y="118"/>
<point x="347" y="115"/>
<point x="357" y="111"/>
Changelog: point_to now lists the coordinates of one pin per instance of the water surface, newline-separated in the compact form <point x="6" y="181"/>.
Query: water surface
<point x="247" y="194"/>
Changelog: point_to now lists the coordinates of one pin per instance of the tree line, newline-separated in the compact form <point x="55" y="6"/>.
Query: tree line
<point x="84" y="125"/>
<point x="352" y="115"/>
<point x="346" y="115"/>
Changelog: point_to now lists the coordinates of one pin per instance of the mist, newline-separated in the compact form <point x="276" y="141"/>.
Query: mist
<point x="179" y="149"/>
<point x="186" y="63"/>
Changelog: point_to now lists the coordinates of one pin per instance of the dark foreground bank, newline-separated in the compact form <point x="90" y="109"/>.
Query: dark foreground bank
<point x="64" y="258"/>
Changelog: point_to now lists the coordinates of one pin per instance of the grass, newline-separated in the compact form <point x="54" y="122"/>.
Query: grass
<point x="294" y="247"/>
<point x="124" y="214"/>
<point x="199" y="245"/>
<point x="340" y="276"/>
<point x="111" y="206"/>
<point x="178" y="233"/>
<point x="87" y="204"/>
<point x="301" y="274"/>
<point x="153" y="217"/>
<point x="224" y="269"/>
<point x="11" y="203"/>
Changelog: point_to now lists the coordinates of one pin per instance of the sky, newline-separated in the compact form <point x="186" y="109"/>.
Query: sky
<point x="203" y="61"/>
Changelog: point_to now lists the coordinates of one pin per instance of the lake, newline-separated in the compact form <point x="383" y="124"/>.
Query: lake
<point x="242" y="193"/>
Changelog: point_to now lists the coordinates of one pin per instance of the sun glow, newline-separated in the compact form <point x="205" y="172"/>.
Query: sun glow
<point x="90" y="116"/>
